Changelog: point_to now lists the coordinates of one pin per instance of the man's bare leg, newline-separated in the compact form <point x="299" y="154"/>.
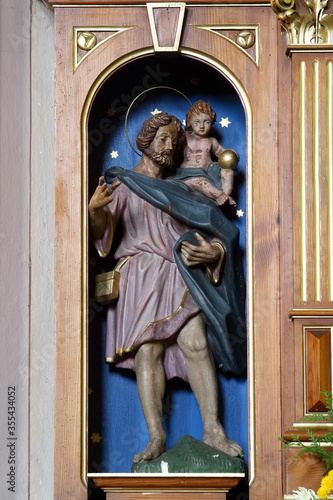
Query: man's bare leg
<point x="203" y="380"/>
<point x="151" y="387"/>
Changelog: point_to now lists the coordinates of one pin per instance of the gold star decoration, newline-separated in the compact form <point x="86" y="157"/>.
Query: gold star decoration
<point x="90" y="391"/>
<point x="224" y="122"/>
<point x="155" y="112"/>
<point x="93" y="261"/>
<point x="239" y="213"/>
<point x="111" y="112"/>
<point x="114" y="154"/>
<point x="95" y="437"/>
<point x="195" y="80"/>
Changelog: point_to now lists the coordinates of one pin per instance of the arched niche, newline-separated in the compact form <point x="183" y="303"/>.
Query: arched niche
<point x="114" y="411"/>
<point x="268" y="90"/>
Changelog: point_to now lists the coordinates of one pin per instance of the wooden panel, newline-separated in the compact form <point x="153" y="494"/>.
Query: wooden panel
<point x="306" y="471"/>
<point x="288" y="347"/>
<point x="318" y="368"/>
<point x="166" y="22"/>
<point x="312" y="362"/>
<point x="311" y="339"/>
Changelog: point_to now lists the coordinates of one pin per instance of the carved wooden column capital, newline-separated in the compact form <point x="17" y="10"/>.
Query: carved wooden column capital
<point x="310" y="32"/>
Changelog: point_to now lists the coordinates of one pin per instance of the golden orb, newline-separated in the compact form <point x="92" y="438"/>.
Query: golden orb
<point x="228" y="159"/>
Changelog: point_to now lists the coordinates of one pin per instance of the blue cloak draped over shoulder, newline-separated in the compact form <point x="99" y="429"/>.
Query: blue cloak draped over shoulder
<point x="222" y="305"/>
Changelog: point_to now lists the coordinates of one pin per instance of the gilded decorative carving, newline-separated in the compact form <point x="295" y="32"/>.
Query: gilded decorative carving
<point x="244" y="37"/>
<point x="314" y="28"/>
<point x="88" y="39"/>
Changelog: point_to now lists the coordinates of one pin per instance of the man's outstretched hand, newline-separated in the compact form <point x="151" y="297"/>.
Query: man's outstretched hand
<point x="101" y="197"/>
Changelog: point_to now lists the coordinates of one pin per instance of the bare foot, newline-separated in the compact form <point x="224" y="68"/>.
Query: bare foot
<point x="218" y="439"/>
<point x="154" y="449"/>
<point x="222" y="199"/>
<point x="232" y="202"/>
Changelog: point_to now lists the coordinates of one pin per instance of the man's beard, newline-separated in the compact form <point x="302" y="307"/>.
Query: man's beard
<point x="165" y="158"/>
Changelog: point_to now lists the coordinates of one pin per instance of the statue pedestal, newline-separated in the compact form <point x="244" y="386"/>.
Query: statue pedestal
<point x="166" y="486"/>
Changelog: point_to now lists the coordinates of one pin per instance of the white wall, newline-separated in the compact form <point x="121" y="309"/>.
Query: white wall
<point x="14" y="238"/>
<point x="42" y="253"/>
<point x="26" y="238"/>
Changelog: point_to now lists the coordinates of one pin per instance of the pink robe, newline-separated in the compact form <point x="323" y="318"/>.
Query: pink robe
<point x="153" y="301"/>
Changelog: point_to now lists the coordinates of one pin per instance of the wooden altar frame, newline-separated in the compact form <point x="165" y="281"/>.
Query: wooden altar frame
<point x="271" y="83"/>
<point x="212" y="482"/>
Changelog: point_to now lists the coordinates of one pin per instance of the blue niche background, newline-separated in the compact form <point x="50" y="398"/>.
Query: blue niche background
<point x="117" y="429"/>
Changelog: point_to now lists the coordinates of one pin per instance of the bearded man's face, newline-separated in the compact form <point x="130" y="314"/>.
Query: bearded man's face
<point x="162" y="148"/>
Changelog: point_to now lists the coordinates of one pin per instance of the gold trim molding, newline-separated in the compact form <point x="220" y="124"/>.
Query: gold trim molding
<point x="329" y="172"/>
<point x="154" y="27"/>
<point x="316" y="179"/>
<point x="86" y="38"/>
<point x="302" y="181"/>
<point x="307" y="33"/>
<point x="241" y="29"/>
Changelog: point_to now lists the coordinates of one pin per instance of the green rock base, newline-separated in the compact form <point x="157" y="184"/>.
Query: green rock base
<point x="191" y="455"/>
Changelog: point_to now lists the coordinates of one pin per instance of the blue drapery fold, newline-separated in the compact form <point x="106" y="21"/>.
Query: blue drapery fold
<point x="222" y="305"/>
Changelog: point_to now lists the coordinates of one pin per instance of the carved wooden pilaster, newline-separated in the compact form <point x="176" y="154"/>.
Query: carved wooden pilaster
<point x="309" y="44"/>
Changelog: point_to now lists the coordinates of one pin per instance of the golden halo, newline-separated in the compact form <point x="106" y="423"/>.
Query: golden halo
<point x="137" y="97"/>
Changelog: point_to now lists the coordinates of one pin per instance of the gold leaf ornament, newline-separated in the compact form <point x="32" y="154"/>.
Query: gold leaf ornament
<point x="282" y="6"/>
<point x="86" y="40"/>
<point x="316" y="7"/>
<point x="312" y="28"/>
<point x="245" y="39"/>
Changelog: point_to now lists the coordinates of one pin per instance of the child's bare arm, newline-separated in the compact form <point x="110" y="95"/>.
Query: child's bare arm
<point x="217" y="149"/>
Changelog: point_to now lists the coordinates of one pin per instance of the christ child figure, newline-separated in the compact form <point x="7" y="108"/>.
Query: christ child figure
<point x="198" y="154"/>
